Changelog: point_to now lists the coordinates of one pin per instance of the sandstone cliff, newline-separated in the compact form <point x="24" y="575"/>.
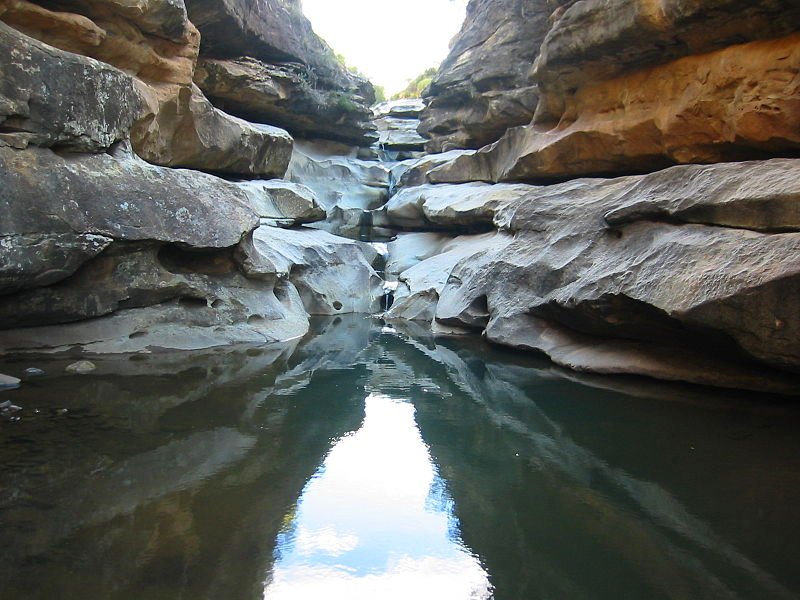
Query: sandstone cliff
<point x="685" y="273"/>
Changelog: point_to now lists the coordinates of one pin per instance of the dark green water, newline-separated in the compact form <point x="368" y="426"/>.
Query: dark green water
<point x="366" y="463"/>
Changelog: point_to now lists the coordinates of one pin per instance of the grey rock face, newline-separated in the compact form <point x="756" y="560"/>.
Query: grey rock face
<point x="58" y="99"/>
<point x="277" y="32"/>
<point x="484" y="85"/>
<point x="60" y="212"/>
<point x="333" y="275"/>
<point x="656" y="261"/>
<point x="286" y="95"/>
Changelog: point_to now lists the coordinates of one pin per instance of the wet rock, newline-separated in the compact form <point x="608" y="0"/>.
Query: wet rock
<point x="33" y="372"/>
<point x="282" y="94"/>
<point x="333" y="275"/>
<point x="53" y="98"/>
<point x="81" y="367"/>
<point x="7" y="381"/>
<point x="187" y="131"/>
<point x="484" y="86"/>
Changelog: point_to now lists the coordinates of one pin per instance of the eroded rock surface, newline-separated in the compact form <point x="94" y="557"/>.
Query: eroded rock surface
<point x="656" y="261"/>
<point x="333" y="275"/>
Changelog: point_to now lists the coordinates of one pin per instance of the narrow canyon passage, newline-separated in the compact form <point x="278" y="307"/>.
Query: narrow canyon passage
<point x="474" y="473"/>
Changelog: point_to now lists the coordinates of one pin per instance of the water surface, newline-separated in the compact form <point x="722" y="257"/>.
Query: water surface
<point x="362" y="462"/>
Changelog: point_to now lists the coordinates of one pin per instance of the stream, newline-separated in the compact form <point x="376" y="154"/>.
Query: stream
<point x="365" y="461"/>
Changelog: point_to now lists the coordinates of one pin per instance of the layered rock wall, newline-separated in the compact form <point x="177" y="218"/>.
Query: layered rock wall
<point x="118" y="235"/>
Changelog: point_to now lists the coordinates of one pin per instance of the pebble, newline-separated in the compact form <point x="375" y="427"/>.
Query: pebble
<point x="81" y="367"/>
<point x="7" y="381"/>
<point x="33" y="372"/>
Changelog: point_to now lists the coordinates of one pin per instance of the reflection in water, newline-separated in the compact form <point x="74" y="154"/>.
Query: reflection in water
<point x="252" y="473"/>
<point x="375" y="522"/>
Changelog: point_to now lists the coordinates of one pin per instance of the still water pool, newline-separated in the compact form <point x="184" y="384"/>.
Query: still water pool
<point x="364" y="462"/>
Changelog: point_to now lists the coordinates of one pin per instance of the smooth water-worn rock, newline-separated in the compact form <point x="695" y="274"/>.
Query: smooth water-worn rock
<point x="284" y="94"/>
<point x="484" y="86"/>
<point x="81" y="367"/>
<point x="59" y="212"/>
<point x="397" y="123"/>
<point x="599" y="259"/>
<point x="58" y="99"/>
<point x="333" y="275"/>
<point x="344" y="185"/>
<point x="467" y="206"/>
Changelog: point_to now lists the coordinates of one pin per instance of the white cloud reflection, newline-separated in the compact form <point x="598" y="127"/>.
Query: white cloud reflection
<point x="371" y="524"/>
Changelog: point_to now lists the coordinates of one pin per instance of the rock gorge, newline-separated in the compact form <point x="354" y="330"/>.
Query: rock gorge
<point x="614" y="184"/>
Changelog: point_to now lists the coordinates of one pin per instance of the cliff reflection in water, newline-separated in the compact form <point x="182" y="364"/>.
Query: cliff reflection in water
<point x="365" y="463"/>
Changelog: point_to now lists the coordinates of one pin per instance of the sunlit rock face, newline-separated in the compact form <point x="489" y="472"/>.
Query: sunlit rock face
<point x="628" y="87"/>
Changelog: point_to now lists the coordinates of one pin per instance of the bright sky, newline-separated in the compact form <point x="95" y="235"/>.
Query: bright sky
<point x="391" y="42"/>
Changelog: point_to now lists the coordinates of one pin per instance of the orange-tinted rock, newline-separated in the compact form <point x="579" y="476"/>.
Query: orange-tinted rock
<point x="108" y="37"/>
<point x="733" y="104"/>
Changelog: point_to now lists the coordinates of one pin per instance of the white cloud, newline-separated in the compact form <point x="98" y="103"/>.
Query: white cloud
<point x="391" y="42"/>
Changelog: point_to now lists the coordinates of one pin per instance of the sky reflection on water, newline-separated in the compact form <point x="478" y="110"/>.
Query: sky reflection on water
<point x="376" y="521"/>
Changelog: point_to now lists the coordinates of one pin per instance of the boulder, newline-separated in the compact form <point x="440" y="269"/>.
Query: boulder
<point x="187" y="131"/>
<point x="484" y="86"/>
<point x="283" y="94"/>
<point x="456" y="208"/>
<point x="53" y="98"/>
<point x="284" y="202"/>
<point x="422" y="264"/>
<point x="59" y="212"/>
<point x="413" y="172"/>
<point x="333" y="275"/>
<point x="597" y="258"/>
